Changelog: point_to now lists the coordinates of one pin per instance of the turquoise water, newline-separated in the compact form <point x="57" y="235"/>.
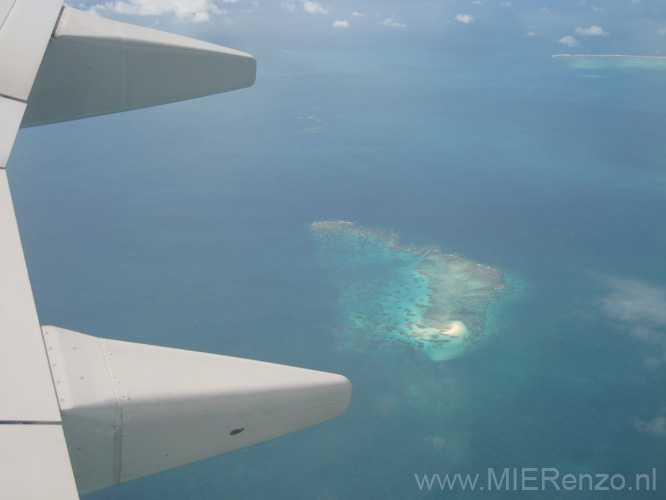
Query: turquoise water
<point x="188" y="226"/>
<point x="396" y="295"/>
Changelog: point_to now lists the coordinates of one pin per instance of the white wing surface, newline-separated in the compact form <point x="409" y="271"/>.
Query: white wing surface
<point x="95" y="66"/>
<point x="33" y="452"/>
<point x="117" y="410"/>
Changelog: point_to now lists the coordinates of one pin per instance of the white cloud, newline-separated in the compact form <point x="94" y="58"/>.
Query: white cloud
<point x="389" y="21"/>
<point x="661" y="31"/>
<point x="592" y="31"/>
<point x="634" y="301"/>
<point x="464" y="18"/>
<point x="358" y="14"/>
<point x="311" y="124"/>
<point x="532" y="33"/>
<point x="200" y="17"/>
<point x="654" y="427"/>
<point x="638" y="309"/>
<point x="341" y="24"/>
<point x="506" y="4"/>
<point x="568" y="40"/>
<point x="289" y="6"/>
<point x="188" y="10"/>
<point x="314" y="7"/>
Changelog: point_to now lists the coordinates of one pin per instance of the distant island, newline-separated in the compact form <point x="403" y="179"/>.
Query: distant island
<point x="620" y="56"/>
<point x="612" y="61"/>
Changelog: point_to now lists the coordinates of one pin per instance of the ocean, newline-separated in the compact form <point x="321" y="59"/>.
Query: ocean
<point x="188" y="226"/>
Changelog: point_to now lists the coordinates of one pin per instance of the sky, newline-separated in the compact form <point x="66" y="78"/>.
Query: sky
<point x="635" y="27"/>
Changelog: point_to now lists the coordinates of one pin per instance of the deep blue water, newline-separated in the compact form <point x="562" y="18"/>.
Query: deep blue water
<point x="187" y="226"/>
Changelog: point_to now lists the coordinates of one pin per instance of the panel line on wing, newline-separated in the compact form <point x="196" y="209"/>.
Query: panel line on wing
<point x="5" y="9"/>
<point x="12" y="98"/>
<point x="118" y="435"/>
<point x="30" y="422"/>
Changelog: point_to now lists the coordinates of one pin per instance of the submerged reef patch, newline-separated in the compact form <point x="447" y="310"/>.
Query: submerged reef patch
<point x="612" y="61"/>
<point x="406" y="296"/>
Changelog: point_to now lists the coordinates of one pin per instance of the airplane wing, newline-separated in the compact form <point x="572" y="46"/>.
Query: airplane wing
<point x="96" y="66"/>
<point x="80" y="413"/>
